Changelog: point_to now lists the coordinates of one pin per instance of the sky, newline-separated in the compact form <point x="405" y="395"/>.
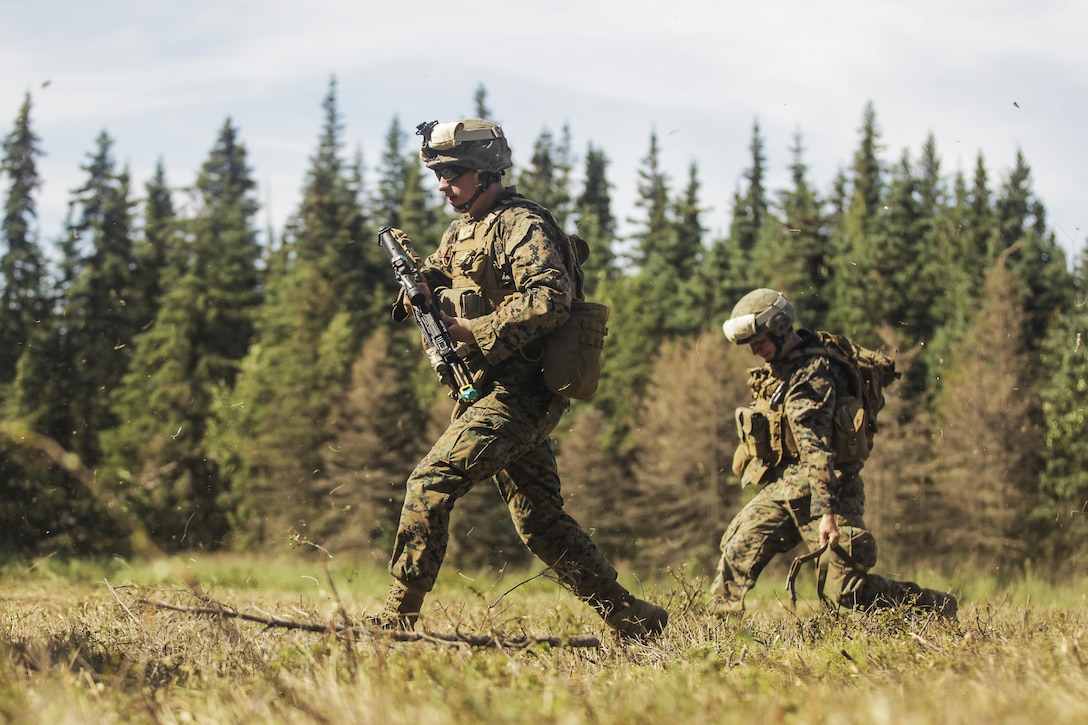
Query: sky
<point x="989" y="77"/>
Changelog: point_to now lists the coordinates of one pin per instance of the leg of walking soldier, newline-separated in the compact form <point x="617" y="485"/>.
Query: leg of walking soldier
<point x="476" y="446"/>
<point x="761" y="530"/>
<point x="530" y="486"/>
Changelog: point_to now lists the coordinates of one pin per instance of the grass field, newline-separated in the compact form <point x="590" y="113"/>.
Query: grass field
<point x="97" y="643"/>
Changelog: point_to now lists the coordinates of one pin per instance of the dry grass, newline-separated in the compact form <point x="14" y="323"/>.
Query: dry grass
<point x="82" y="643"/>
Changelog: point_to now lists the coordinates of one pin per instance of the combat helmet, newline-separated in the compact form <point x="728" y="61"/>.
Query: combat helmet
<point x="473" y="143"/>
<point x="761" y="311"/>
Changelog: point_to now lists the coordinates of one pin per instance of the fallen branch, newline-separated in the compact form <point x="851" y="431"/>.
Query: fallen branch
<point x="472" y="640"/>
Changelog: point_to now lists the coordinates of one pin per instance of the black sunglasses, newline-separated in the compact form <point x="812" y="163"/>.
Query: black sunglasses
<point x="449" y="173"/>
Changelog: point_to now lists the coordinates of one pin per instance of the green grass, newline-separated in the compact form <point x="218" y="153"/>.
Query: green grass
<point x="81" y="642"/>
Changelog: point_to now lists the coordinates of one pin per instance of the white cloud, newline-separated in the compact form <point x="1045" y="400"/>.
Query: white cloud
<point x="161" y="78"/>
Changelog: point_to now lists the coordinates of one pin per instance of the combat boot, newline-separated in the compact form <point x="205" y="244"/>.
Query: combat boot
<point x="401" y="609"/>
<point x="724" y="608"/>
<point x="942" y="603"/>
<point x="627" y="615"/>
<point x="726" y="599"/>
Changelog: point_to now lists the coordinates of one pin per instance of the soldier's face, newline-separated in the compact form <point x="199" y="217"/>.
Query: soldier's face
<point x="763" y="347"/>
<point x="459" y="189"/>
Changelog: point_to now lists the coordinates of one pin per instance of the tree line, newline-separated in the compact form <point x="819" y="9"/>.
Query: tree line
<point x="170" y="382"/>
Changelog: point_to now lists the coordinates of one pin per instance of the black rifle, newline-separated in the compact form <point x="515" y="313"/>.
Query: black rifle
<point x="440" y="348"/>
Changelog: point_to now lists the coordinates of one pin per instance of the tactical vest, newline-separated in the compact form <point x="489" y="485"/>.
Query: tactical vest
<point x="480" y="275"/>
<point x="766" y="438"/>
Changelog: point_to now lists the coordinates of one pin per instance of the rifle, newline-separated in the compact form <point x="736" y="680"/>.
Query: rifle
<point x="440" y="348"/>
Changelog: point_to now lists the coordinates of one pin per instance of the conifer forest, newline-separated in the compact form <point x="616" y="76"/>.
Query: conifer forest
<point x="174" y="377"/>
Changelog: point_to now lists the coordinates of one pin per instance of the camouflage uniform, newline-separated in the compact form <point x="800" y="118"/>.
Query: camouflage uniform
<point x="787" y="510"/>
<point x="504" y="435"/>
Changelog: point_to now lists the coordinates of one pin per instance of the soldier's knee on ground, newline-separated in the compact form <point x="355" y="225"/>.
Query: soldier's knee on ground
<point x="861" y="545"/>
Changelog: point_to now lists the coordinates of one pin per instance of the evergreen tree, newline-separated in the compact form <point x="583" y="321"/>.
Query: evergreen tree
<point x="795" y="253"/>
<point x="163" y="236"/>
<point x="750" y="209"/>
<point x="326" y="290"/>
<point x="653" y="200"/>
<point x="1032" y="251"/>
<point x="596" y="476"/>
<point x="687" y="314"/>
<point x="23" y="298"/>
<point x="594" y="221"/>
<point x="855" y="283"/>
<point x="394" y="177"/>
<point x="988" y="459"/>
<point x="685" y="445"/>
<point x="479" y="100"/>
<point x="547" y="178"/>
<point x="1063" y="506"/>
<point x="377" y="430"/>
<point x="98" y="263"/>
<point x="739" y="263"/>
<point x="404" y="201"/>
<point x="638" y="316"/>
<point x="194" y="347"/>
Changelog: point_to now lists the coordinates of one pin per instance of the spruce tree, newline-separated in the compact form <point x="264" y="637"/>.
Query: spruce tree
<point x="1063" y="503"/>
<point x="794" y="252"/>
<point x="855" y="282"/>
<point x="594" y="220"/>
<point x="637" y="321"/>
<point x="687" y="314"/>
<point x="97" y="283"/>
<point x="546" y="180"/>
<point x="684" y="493"/>
<point x="1032" y="251"/>
<point x="377" y="437"/>
<point x="750" y="209"/>
<point x="194" y="347"/>
<point x="23" y="298"/>
<point x="988" y="453"/>
<point x="327" y="288"/>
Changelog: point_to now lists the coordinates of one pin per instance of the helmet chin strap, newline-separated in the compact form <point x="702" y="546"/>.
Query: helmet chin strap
<point x="779" y="342"/>
<point x="486" y="180"/>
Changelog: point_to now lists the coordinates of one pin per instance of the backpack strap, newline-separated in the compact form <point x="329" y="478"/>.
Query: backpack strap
<point x="575" y="249"/>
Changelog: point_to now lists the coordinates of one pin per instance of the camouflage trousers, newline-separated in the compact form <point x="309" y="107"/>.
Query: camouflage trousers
<point x="503" y="436"/>
<point x="766" y="527"/>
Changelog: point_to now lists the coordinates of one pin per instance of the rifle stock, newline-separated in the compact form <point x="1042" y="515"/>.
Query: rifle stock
<point x="437" y="343"/>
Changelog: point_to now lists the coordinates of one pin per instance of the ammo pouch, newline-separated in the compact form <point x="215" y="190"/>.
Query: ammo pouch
<point x="766" y="441"/>
<point x="573" y="353"/>
<point x="460" y="301"/>
<point x="851" y="440"/>
<point x="754" y="433"/>
<point x="469" y="303"/>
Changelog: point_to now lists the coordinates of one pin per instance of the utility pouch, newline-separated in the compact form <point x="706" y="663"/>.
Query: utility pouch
<point x="754" y="432"/>
<point x="573" y="354"/>
<point x="850" y="437"/>
<point x="461" y="302"/>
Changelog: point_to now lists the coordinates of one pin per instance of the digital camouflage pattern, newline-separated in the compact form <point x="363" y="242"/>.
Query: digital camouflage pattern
<point x="787" y="510"/>
<point x="505" y="435"/>
<point x="516" y="261"/>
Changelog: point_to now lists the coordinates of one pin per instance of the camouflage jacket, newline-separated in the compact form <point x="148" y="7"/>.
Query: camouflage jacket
<point x="809" y="406"/>
<point x="507" y="274"/>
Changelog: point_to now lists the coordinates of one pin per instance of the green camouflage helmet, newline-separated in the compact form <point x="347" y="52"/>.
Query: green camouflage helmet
<point x="761" y="311"/>
<point x="470" y="142"/>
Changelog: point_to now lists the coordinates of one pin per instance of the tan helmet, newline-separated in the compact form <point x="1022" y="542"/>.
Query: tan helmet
<point x="471" y="142"/>
<point x="761" y="311"/>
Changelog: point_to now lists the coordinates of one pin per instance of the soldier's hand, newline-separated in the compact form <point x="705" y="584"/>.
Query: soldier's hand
<point x="459" y="329"/>
<point x="407" y="303"/>
<point x="829" y="530"/>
